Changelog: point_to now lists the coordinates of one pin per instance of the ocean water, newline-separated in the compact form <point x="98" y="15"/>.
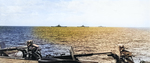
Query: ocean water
<point x="141" y="50"/>
<point x="15" y="36"/>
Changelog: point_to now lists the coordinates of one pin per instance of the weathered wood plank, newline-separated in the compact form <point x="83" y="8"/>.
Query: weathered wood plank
<point x="8" y="60"/>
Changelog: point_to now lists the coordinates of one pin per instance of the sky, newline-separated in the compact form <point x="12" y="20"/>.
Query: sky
<point x="108" y="13"/>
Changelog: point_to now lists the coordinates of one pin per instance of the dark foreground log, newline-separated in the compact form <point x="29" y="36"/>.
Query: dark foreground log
<point x="56" y="60"/>
<point x="125" y="56"/>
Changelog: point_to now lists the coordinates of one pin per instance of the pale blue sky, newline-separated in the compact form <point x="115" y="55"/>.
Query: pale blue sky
<point x="109" y="13"/>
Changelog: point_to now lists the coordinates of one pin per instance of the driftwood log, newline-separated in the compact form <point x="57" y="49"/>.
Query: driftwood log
<point x="123" y="57"/>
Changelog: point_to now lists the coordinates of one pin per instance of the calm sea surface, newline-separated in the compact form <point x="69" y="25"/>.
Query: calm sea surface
<point x="14" y="36"/>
